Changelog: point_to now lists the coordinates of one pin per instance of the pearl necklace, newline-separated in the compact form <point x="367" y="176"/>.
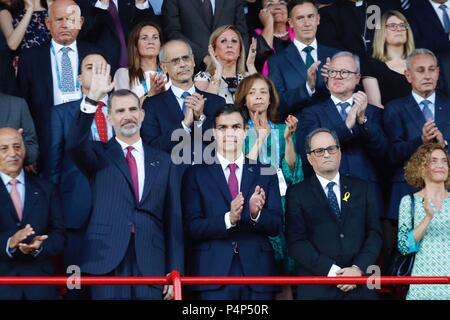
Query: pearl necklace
<point x="281" y="34"/>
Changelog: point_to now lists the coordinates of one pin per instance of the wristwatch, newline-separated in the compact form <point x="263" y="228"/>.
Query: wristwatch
<point x="90" y="101"/>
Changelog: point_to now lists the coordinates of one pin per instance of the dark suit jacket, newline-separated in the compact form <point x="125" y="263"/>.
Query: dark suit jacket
<point x="157" y="217"/>
<point x="42" y="210"/>
<point x="361" y="148"/>
<point x="289" y="74"/>
<point x="317" y="240"/>
<point x="14" y="113"/>
<point x="184" y="19"/>
<point x="36" y="86"/>
<point x="427" y="28"/>
<point x="163" y="115"/>
<point x="76" y="194"/>
<point x="99" y="29"/>
<point x="403" y="122"/>
<point x="8" y="81"/>
<point x="206" y="199"/>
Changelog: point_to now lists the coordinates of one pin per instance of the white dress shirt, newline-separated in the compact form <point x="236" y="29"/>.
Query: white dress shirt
<point x="73" y="56"/>
<point x="338" y="108"/>
<point x="337" y="190"/>
<point x="300" y="46"/>
<point x="431" y="98"/>
<point x="226" y="171"/>
<point x="140" y="6"/>
<point x="138" y="154"/>
<point x="439" y="12"/>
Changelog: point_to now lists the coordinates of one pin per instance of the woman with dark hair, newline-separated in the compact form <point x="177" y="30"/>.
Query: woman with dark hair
<point x="143" y="75"/>
<point x="429" y="237"/>
<point x="271" y="143"/>
<point x="23" y="23"/>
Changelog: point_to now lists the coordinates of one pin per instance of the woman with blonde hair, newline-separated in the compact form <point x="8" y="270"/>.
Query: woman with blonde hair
<point x="383" y="74"/>
<point x="429" y="237"/>
<point x="226" y="63"/>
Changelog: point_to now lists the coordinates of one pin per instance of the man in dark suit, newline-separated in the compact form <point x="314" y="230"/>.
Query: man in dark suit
<point x="430" y="27"/>
<point x="421" y="117"/>
<point x="195" y="20"/>
<point x="48" y="74"/>
<point x="14" y="113"/>
<point x="135" y="227"/>
<point x="108" y="24"/>
<point x="182" y="111"/>
<point x="332" y="223"/>
<point x="76" y="194"/>
<point x="31" y="229"/>
<point x="295" y="70"/>
<point x="357" y="124"/>
<point x="230" y="209"/>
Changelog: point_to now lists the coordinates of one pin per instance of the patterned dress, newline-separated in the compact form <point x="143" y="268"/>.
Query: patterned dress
<point x="36" y="33"/>
<point x="226" y="90"/>
<point x="433" y="251"/>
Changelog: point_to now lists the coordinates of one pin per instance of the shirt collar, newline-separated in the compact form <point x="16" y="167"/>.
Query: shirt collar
<point x="20" y="178"/>
<point x="323" y="181"/>
<point x="138" y="146"/>
<point x="336" y="100"/>
<point x="436" y="5"/>
<point x="419" y="99"/>
<point x="300" y="45"/>
<point x="178" y="91"/>
<point x="225" y="162"/>
<point x="58" y="46"/>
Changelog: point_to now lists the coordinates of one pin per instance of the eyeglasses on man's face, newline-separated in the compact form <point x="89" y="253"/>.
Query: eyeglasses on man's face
<point x="176" y="61"/>
<point x="319" y="152"/>
<point x="344" y="73"/>
<point x="397" y="26"/>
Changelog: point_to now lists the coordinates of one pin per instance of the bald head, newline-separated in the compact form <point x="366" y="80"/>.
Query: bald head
<point x="12" y="152"/>
<point x="64" y="21"/>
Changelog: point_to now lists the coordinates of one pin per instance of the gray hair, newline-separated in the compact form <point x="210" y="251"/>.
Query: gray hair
<point x="162" y="51"/>
<point x="418" y="52"/>
<point x="317" y="131"/>
<point x="350" y="55"/>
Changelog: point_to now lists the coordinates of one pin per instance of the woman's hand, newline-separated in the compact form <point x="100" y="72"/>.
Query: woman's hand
<point x="261" y="125"/>
<point x="265" y="17"/>
<point x="291" y="125"/>
<point x="29" y="5"/>
<point x="251" y="58"/>
<point x="157" y="84"/>
<point x="428" y="208"/>
<point x="217" y="64"/>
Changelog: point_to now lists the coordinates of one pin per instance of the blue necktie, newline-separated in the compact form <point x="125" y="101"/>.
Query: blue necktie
<point x="332" y="200"/>
<point x="426" y="110"/>
<point x="184" y="96"/>
<point x="404" y="4"/>
<point x="446" y="18"/>
<point x="309" y="58"/>
<point x="343" y="112"/>
<point x="67" y="84"/>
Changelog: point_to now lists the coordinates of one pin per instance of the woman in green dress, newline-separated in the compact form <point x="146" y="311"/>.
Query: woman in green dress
<point x="430" y="236"/>
<point x="271" y="143"/>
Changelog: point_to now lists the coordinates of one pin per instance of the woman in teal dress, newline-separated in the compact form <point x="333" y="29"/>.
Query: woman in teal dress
<point x="430" y="236"/>
<point x="271" y="143"/>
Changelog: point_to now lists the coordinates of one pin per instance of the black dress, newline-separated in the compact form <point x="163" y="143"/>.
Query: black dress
<point x="392" y="84"/>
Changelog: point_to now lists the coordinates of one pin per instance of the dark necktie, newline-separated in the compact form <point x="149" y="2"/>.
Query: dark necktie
<point x="404" y="4"/>
<point x="446" y="18"/>
<point x="100" y="122"/>
<point x="233" y="184"/>
<point x="332" y="200"/>
<point x="209" y="16"/>
<point x="426" y="110"/>
<point x="309" y="59"/>
<point x="343" y="109"/>
<point x="123" y="60"/>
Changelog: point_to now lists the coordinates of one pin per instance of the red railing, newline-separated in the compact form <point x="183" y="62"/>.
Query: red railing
<point x="178" y="281"/>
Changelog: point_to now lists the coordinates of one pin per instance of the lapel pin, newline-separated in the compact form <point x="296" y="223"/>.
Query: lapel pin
<point x="346" y="196"/>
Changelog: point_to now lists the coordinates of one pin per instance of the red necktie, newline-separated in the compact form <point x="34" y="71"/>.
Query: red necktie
<point x="133" y="171"/>
<point x="233" y="185"/>
<point x="100" y="122"/>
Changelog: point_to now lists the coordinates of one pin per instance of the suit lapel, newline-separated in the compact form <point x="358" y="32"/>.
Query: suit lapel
<point x="171" y="102"/>
<point x="413" y="109"/>
<point x="32" y="193"/>
<point x="440" y="115"/>
<point x="6" y="202"/>
<point x="293" y="56"/>
<point x="117" y="157"/>
<point x="217" y="12"/>
<point x="345" y="197"/>
<point x="332" y="113"/>
<point x="320" y="195"/>
<point x="198" y="7"/>
<point x="151" y="164"/>
<point x="215" y="170"/>
<point x="249" y="173"/>
<point x="45" y="63"/>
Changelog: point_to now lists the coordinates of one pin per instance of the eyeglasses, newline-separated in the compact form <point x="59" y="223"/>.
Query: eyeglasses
<point x="344" y="74"/>
<point x="397" y="26"/>
<point x="176" y="61"/>
<point x="319" y="152"/>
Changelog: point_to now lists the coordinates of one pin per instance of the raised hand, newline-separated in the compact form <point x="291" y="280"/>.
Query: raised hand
<point x="251" y="57"/>
<point x="257" y="201"/>
<point x="312" y="75"/>
<point x="196" y="102"/>
<point x="217" y="64"/>
<point x="101" y="81"/>
<point x="236" y="207"/>
<point x="360" y="99"/>
<point x="265" y="17"/>
<point x="350" y="121"/>
<point x="325" y="68"/>
<point x="429" y="131"/>
<point x="291" y="125"/>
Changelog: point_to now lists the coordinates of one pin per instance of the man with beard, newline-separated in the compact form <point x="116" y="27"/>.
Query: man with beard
<point x="135" y="226"/>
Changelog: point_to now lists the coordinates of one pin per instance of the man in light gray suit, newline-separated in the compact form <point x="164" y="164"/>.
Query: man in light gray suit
<point x="14" y="113"/>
